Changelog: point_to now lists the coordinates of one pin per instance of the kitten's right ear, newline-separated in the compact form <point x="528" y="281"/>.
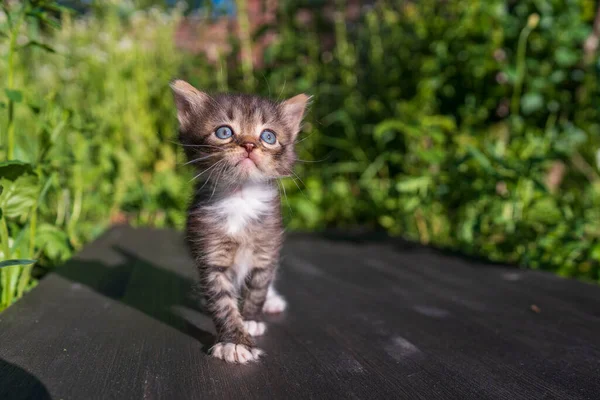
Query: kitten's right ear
<point x="293" y="110"/>
<point x="189" y="101"/>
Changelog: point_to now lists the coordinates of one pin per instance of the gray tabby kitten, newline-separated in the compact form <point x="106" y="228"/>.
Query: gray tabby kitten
<point x="240" y="145"/>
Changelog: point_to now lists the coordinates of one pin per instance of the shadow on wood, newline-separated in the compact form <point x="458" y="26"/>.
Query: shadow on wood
<point x="18" y="384"/>
<point x="159" y="294"/>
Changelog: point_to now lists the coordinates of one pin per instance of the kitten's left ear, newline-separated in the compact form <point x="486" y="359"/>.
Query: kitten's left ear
<point x="293" y="110"/>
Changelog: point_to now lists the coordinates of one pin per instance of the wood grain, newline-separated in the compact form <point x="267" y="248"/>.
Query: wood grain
<point x="369" y="318"/>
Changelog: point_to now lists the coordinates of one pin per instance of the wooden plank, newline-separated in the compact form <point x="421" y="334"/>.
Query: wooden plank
<point x="368" y="318"/>
<point x="488" y="330"/>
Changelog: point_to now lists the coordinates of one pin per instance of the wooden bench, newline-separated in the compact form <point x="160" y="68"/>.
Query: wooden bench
<point x="368" y="318"/>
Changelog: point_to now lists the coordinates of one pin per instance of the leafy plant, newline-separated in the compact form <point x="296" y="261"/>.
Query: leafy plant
<point x="20" y="185"/>
<point x="82" y="153"/>
<point x="466" y="125"/>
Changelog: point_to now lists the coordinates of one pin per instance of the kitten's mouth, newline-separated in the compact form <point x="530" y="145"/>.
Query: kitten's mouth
<point x="246" y="163"/>
<point x="248" y="166"/>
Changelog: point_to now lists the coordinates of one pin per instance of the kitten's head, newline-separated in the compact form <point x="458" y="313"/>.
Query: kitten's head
<point x="238" y="137"/>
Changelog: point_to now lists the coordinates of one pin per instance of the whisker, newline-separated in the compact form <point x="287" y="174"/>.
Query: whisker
<point x="200" y="159"/>
<point x="201" y="145"/>
<point x="278" y="187"/>
<point x="216" y="183"/>
<point x="194" y="145"/>
<point x="309" y="161"/>
<point x="205" y="182"/>
<point x="299" y="188"/>
<point x="296" y="175"/>
<point x="285" y="195"/>
<point x="268" y="86"/>
<point x="282" y="89"/>
<point x="304" y="138"/>
<point x="303" y="184"/>
<point x="313" y="161"/>
<point x="206" y="170"/>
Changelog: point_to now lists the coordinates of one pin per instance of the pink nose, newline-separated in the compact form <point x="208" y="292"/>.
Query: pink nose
<point x="249" y="146"/>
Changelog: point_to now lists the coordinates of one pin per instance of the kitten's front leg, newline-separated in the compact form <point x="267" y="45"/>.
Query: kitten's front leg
<point x="234" y="344"/>
<point x="257" y="286"/>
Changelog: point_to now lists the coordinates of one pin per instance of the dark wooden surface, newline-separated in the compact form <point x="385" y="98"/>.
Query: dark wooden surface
<point x="367" y="319"/>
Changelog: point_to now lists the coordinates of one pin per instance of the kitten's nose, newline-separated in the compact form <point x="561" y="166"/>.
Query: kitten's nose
<point x="248" y="146"/>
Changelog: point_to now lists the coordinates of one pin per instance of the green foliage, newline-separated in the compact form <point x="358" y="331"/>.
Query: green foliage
<point x="467" y="125"/>
<point x="445" y="122"/>
<point x="92" y="122"/>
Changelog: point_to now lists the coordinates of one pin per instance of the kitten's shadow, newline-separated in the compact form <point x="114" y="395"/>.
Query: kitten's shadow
<point x="157" y="292"/>
<point x="20" y="384"/>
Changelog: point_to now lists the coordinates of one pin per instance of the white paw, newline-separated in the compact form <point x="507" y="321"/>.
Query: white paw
<point x="274" y="304"/>
<point x="235" y="353"/>
<point x="255" y="328"/>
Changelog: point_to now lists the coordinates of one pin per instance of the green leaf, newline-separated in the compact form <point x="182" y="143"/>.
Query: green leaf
<point x="531" y="102"/>
<point x="14" y="95"/>
<point x="54" y="242"/>
<point x="395" y="125"/>
<point x="414" y="185"/>
<point x="35" y="43"/>
<point x="10" y="263"/>
<point x="439" y="121"/>
<point x="18" y="196"/>
<point x="35" y="13"/>
<point x="411" y="204"/>
<point x="566" y="57"/>
<point x="19" y="244"/>
<point x="59" y="8"/>
<point x="595" y="253"/>
<point x="12" y="169"/>
<point x="374" y="168"/>
<point x="545" y="211"/>
<point x="571" y="139"/>
<point x="45" y="188"/>
<point x="481" y="159"/>
<point x="40" y="15"/>
<point x="34" y="108"/>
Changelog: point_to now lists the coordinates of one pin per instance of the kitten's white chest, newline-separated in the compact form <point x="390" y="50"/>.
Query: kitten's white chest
<point x="238" y="209"/>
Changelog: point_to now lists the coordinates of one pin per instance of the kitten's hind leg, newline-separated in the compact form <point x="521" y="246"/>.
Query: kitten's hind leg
<point x="275" y="303"/>
<point x="234" y="344"/>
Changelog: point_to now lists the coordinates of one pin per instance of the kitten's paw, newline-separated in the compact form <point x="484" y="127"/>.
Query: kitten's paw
<point x="255" y="328"/>
<point x="235" y="353"/>
<point x="274" y="304"/>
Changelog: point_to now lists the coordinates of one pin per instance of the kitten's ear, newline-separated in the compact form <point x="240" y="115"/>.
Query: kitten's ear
<point x="189" y="101"/>
<point x="293" y="110"/>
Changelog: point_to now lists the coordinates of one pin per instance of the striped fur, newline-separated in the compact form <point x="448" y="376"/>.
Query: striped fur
<point x="234" y="228"/>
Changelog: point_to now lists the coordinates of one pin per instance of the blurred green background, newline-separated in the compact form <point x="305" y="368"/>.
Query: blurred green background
<point x="467" y="125"/>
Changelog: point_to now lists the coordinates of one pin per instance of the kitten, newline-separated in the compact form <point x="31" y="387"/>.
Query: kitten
<point x="240" y="145"/>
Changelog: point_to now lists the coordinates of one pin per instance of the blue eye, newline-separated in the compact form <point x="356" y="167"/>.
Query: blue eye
<point x="224" y="132"/>
<point x="268" y="137"/>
